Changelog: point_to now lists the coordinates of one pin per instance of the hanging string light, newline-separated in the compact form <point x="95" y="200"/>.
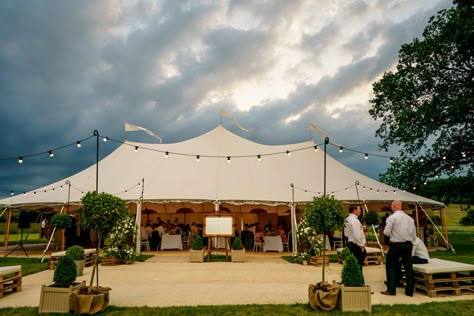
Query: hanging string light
<point x="366" y="156"/>
<point x="78" y="144"/>
<point x="259" y="158"/>
<point x="51" y="154"/>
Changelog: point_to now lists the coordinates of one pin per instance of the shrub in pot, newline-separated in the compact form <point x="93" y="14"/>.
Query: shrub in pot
<point x="354" y="295"/>
<point x="57" y="297"/>
<point x="196" y="254"/>
<point x="61" y="221"/>
<point x="76" y="252"/>
<point x="238" y="253"/>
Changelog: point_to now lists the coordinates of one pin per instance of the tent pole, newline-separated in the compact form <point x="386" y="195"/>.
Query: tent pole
<point x="293" y="221"/>
<point x="417" y="221"/>
<point x="7" y="231"/>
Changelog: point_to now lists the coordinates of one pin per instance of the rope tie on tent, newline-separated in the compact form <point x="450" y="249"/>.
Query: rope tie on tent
<point x="50" y="239"/>
<point x="437" y="229"/>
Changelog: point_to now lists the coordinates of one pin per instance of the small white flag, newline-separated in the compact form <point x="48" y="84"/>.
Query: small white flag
<point x="224" y="113"/>
<point x="317" y="129"/>
<point x="132" y="128"/>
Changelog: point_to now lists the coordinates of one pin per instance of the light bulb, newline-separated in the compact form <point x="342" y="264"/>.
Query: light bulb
<point x="366" y="156"/>
<point x="78" y="144"/>
<point x="259" y="158"/>
<point x="51" y="154"/>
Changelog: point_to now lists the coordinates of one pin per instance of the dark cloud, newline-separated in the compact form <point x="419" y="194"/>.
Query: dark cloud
<point x="69" y="67"/>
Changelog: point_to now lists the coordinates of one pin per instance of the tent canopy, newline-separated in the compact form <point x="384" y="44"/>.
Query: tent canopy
<point x="228" y="171"/>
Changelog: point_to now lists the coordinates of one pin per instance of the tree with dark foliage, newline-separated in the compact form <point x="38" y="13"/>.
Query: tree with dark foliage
<point x="427" y="104"/>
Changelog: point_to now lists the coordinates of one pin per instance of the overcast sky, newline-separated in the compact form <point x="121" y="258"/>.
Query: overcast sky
<point x="68" y="68"/>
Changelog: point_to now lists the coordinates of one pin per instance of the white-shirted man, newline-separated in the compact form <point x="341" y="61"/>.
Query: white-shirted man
<point x="354" y="232"/>
<point x="402" y="232"/>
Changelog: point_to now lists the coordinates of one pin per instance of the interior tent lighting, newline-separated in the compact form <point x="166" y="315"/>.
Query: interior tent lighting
<point x="78" y="144"/>
<point x="341" y="149"/>
<point x="51" y="154"/>
<point x="366" y="156"/>
<point x="20" y="159"/>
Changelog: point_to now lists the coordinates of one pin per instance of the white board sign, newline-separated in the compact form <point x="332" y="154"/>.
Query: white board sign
<point x="218" y="225"/>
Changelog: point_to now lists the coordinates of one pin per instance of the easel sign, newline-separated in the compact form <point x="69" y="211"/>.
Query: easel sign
<point x="216" y="225"/>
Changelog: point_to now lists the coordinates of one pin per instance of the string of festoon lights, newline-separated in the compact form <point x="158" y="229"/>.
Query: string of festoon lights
<point x="51" y="153"/>
<point x="364" y="187"/>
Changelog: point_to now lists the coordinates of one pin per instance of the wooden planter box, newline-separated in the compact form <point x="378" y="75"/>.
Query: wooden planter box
<point x="318" y="260"/>
<point x="355" y="299"/>
<point x="196" y="255"/>
<point x="110" y="261"/>
<point x="238" y="255"/>
<point x="57" y="299"/>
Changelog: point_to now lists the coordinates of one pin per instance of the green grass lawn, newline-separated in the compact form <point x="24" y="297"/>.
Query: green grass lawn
<point x="444" y="308"/>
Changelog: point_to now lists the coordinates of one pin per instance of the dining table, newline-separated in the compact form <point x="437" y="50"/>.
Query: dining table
<point x="171" y="242"/>
<point x="272" y="243"/>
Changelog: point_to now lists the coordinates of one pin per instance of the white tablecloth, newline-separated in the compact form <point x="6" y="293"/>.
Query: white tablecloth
<point x="272" y="243"/>
<point x="171" y="242"/>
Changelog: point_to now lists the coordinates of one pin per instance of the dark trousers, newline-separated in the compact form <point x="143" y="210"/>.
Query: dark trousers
<point x="399" y="252"/>
<point x="359" y="254"/>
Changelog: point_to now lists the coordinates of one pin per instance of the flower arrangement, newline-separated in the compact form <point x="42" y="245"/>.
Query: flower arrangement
<point x="305" y="232"/>
<point x="301" y="257"/>
<point x="118" y="240"/>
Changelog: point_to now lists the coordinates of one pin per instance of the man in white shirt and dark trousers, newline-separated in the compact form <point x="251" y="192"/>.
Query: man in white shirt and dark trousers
<point x="402" y="232"/>
<point x="354" y="232"/>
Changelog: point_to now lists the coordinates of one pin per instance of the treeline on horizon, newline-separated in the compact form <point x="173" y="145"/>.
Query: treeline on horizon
<point x="454" y="190"/>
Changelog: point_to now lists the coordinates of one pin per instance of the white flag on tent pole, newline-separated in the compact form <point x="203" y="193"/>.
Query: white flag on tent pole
<point x="313" y="127"/>
<point x="224" y="113"/>
<point x="132" y="128"/>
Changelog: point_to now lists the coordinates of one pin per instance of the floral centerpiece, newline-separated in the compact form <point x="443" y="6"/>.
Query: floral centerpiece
<point x="311" y="243"/>
<point x="118" y="242"/>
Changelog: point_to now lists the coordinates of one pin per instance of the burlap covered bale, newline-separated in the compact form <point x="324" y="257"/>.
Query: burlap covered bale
<point x="323" y="295"/>
<point x="90" y="299"/>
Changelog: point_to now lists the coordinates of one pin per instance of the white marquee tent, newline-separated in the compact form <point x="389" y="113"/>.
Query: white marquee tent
<point x="240" y="179"/>
<point x="229" y="175"/>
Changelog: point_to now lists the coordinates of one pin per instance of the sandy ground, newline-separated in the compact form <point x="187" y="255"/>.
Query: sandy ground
<point x="168" y="279"/>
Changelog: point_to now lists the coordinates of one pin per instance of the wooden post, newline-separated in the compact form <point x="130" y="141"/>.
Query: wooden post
<point x="417" y="222"/>
<point x="7" y="231"/>
<point x="444" y="229"/>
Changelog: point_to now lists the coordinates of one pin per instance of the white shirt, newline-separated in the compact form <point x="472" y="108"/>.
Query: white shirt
<point x="354" y="231"/>
<point x="400" y="228"/>
<point x="161" y="230"/>
<point x="420" y="250"/>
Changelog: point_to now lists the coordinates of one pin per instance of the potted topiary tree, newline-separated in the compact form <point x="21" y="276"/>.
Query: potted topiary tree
<point x="354" y="295"/>
<point x="196" y="253"/>
<point x="56" y="298"/>
<point x="100" y="212"/>
<point x="238" y="253"/>
<point x="323" y="215"/>
<point x="61" y="221"/>
<point x="76" y="252"/>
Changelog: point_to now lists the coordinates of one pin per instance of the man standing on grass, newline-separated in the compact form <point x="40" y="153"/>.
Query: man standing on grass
<point x="402" y="232"/>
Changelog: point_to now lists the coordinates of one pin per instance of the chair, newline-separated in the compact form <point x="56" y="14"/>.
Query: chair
<point x="285" y="245"/>
<point x="145" y="243"/>
<point x="185" y="241"/>
<point x="258" y="243"/>
<point x="337" y="242"/>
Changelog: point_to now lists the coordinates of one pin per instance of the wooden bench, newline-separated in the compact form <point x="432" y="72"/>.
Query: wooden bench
<point x="374" y="256"/>
<point x="89" y="255"/>
<point x="10" y="279"/>
<point x="441" y="276"/>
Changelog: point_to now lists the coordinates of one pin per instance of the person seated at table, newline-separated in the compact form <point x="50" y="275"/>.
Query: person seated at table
<point x="149" y="230"/>
<point x="161" y="229"/>
<point x="269" y="227"/>
<point x="283" y="236"/>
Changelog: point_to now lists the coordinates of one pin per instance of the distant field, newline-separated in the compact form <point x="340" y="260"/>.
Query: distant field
<point x="453" y="215"/>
